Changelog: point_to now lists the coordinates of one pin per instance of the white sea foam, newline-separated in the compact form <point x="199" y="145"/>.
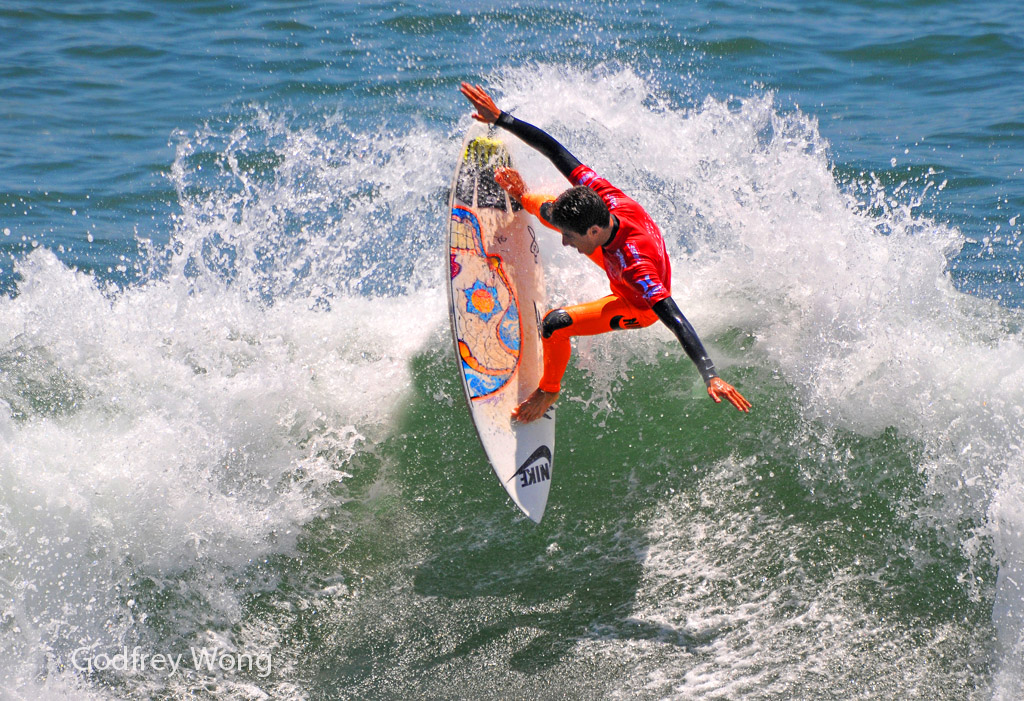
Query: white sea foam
<point x="176" y="432"/>
<point x="736" y="621"/>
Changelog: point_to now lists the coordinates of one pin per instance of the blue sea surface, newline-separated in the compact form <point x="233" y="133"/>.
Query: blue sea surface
<point x="230" y="416"/>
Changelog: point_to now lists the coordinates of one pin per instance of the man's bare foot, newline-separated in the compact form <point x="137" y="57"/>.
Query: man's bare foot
<point x="534" y="406"/>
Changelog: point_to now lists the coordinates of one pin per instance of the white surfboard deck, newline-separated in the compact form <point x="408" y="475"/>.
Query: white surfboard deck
<point x="497" y="299"/>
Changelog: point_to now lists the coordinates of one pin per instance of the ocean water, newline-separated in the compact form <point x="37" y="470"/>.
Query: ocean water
<point x="235" y="461"/>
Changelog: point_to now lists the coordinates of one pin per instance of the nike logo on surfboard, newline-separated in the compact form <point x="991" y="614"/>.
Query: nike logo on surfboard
<point x="535" y="469"/>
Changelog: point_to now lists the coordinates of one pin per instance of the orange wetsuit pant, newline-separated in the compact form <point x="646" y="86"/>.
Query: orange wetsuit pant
<point x="609" y="313"/>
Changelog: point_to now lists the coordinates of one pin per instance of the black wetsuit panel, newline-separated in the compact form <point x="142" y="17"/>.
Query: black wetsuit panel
<point x="669" y="313"/>
<point x="541" y="141"/>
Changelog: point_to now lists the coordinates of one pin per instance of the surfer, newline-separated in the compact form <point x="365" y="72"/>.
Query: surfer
<point x="601" y="222"/>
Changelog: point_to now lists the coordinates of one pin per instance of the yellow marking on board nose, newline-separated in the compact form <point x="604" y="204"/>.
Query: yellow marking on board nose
<point x="482" y="150"/>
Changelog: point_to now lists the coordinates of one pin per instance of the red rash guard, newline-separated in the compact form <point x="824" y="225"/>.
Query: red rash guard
<point x="635" y="260"/>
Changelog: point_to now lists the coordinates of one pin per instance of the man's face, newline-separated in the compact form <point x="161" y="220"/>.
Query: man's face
<point x="584" y="243"/>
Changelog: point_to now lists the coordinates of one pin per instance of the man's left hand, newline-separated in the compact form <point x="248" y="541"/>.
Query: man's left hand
<point x="719" y="388"/>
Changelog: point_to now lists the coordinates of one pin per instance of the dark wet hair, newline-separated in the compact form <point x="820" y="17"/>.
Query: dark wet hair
<point x="579" y="209"/>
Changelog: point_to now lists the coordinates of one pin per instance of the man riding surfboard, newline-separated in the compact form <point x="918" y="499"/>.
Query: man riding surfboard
<point x="603" y="223"/>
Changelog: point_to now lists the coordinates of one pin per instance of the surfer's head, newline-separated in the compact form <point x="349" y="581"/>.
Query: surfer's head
<point x="577" y="210"/>
<point x="582" y="217"/>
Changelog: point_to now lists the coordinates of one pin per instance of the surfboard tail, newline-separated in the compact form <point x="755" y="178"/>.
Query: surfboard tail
<point x="531" y="481"/>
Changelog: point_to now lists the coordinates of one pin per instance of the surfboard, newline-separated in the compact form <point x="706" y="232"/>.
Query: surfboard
<point x="496" y="299"/>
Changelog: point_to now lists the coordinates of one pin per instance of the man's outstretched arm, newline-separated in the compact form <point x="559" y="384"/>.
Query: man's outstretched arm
<point x="670" y="315"/>
<point x="488" y="112"/>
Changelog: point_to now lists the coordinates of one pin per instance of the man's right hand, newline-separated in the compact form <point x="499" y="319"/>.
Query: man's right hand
<point x="511" y="182"/>
<point x="486" y="110"/>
